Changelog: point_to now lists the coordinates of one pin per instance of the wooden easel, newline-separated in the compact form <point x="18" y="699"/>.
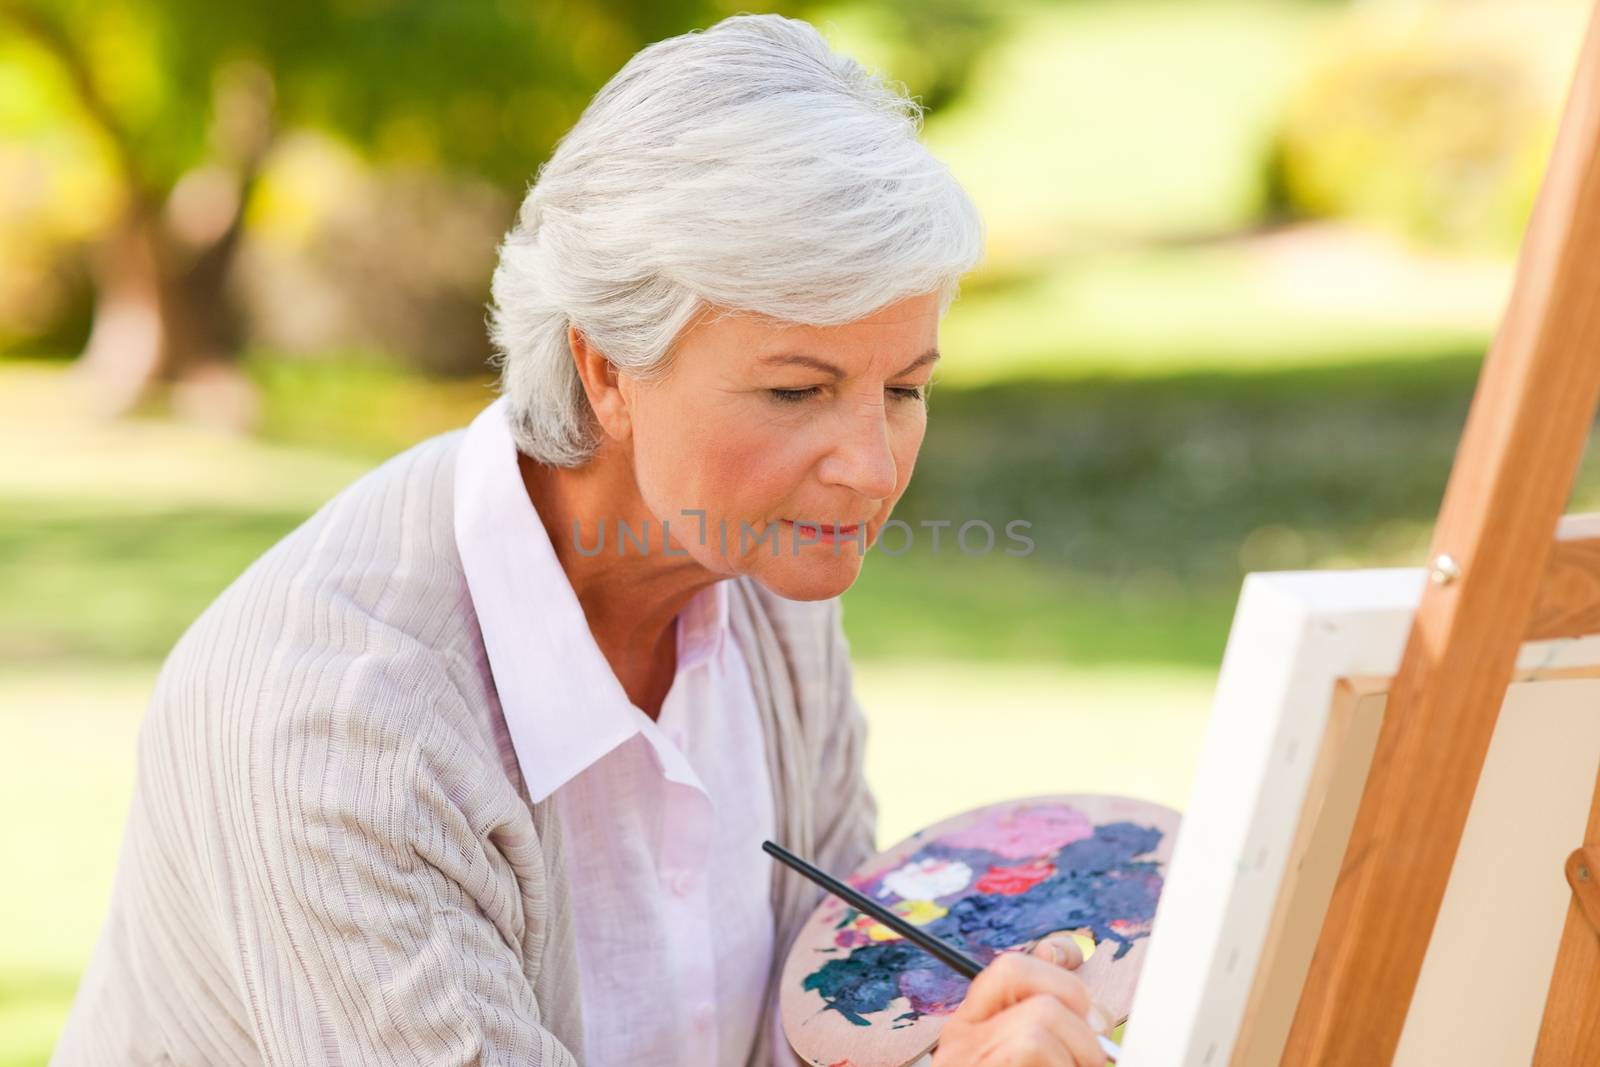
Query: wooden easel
<point x="1506" y="568"/>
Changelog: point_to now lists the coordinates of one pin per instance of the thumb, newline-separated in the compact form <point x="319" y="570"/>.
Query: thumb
<point x="1062" y="949"/>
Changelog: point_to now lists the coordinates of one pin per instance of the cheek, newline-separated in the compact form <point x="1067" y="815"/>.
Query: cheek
<point x="757" y="466"/>
<point x="676" y="456"/>
<point x="737" y="464"/>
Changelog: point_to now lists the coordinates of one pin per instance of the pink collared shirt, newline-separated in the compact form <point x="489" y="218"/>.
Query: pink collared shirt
<point x="663" y="820"/>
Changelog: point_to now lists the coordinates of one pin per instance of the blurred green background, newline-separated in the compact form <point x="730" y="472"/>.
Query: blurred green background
<point x="1245" y="260"/>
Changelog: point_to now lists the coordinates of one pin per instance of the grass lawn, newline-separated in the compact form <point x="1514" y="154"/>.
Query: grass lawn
<point x="66" y="773"/>
<point x="1297" y="297"/>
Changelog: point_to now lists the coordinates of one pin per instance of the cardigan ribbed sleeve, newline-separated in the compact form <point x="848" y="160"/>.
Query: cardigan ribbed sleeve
<point x="372" y="923"/>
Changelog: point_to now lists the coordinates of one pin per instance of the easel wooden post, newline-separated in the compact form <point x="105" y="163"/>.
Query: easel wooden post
<point x="1571" y="1029"/>
<point x="1503" y="573"/>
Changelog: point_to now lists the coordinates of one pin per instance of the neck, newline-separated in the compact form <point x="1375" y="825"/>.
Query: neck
<point x="631" y="600"/>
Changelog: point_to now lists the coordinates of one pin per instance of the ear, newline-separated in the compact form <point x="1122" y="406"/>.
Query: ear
<point x="600" y="385"/>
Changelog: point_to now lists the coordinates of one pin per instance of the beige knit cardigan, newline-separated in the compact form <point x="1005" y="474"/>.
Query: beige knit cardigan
<point x="331" y="857"/>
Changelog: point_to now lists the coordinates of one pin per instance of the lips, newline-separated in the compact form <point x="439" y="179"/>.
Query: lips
<point x="829" y="529"/>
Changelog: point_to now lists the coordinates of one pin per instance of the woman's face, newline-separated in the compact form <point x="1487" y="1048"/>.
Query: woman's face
<point x="767" y="426"/>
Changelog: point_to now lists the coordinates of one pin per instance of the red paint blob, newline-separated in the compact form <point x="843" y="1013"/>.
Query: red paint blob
<point x="1009" y="881"/>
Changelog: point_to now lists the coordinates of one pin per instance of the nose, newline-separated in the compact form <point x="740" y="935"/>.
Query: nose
<point x="862" y="457"/>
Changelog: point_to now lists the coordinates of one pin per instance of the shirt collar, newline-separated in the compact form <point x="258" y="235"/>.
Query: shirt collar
<point x="703" y="626"/>
<point x="563" y="705"/>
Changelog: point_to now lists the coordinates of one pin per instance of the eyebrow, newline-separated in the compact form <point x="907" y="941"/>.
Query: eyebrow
<point x="800" y="359"/>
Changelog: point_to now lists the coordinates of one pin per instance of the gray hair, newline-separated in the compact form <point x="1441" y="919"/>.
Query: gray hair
<point x="746" y="167"/>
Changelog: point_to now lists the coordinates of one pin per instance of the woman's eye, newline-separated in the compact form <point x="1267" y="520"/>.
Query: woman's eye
<point x="794" y="396"/>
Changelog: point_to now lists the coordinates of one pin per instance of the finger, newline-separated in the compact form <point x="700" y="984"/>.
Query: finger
<point x="1014" y="977"/>
<point x="1061" y="949"/>
<point x="1083" y="1039"/>
<point x="1067" y="1028"/>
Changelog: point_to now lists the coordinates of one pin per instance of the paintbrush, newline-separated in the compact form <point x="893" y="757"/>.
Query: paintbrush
<point x="940" y="950"/>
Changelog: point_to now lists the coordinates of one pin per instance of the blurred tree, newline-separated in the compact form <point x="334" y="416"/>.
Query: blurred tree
<point x="188" y="98"/>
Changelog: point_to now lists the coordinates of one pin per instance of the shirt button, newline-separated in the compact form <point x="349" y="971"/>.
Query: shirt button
<point x="704" y="1016"/>
<point x="683" y="882"/>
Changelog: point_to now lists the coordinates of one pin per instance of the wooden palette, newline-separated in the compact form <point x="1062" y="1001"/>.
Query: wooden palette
<point x="991" y="880"/>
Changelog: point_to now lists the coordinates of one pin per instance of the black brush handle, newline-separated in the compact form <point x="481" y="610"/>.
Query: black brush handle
<point x="943" y="951"/>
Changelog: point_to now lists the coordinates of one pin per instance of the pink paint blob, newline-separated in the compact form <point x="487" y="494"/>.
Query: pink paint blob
<point x="1024" y="833"/>
<point x="850" y="937"/>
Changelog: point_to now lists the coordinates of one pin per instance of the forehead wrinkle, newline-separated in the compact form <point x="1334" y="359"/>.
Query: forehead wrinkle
<point x="802" y="359"/>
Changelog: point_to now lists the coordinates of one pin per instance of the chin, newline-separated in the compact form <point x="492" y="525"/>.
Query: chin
<point x="821" y="577"/>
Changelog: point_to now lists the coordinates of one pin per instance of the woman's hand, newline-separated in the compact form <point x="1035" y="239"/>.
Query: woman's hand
<point x="1026" y="1010"/>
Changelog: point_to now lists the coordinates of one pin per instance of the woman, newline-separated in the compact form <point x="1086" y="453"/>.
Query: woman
<point x="473" y="767"/>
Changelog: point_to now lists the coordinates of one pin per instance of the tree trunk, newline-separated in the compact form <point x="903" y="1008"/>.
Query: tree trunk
<point x="165" y="326"/>
<point x="128" y="338"/>
<point x="164" y="315"/>
<point x="203" y="326"/>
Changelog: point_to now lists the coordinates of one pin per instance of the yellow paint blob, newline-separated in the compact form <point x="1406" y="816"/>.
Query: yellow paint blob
<point x="1085" y="943"/>
<point x="920" y="912"/>
<point x="915" y="912"/>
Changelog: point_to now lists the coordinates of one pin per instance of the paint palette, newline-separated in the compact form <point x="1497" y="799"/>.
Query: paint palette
<point x="988" y="881"/>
